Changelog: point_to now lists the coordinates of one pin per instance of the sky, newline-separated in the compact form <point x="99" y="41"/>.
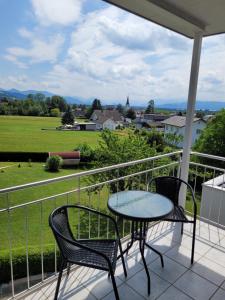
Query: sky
<point x="90" y="49"/>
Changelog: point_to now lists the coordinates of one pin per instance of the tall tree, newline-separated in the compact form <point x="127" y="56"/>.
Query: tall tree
<point x="150" y="108"/>
<point x="96" y="104"/>
<point x="131" y="114"/>
<point x="120" y="109"/>
<point x="68" y="117"/>
<point x="212" y="138"/>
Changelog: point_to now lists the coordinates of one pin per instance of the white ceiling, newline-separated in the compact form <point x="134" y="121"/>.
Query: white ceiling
<point x="183" y="16"/>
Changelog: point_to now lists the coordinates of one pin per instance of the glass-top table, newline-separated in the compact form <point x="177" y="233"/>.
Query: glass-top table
<point x="140" y="207"/>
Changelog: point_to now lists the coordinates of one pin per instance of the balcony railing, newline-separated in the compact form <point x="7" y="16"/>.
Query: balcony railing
<point x="26" y="240"/>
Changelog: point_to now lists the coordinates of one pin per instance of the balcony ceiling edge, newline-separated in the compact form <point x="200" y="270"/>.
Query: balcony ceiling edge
<point x="185" y="17"/>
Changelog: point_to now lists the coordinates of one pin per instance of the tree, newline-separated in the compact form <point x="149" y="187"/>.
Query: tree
<point x="68" y="117"/>
<point x="200" y="114"/>
<point x="120" y="109"/>
<point x="96" y="105"/>
<point x="114" y="150"/>
<point x="212" y="138"/>
<point x="150" y="108"/>
<point x="54" y="112"/>
<point x="131" y="114"/>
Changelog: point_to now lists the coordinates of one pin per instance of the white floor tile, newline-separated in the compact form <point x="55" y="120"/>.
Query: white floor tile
<point x="173" y="293"/>
<point x="125" y="293"/>
<point x="209" y="270"/>
<point x="171" y="271"/>
<point x="139" y="283"/>
<point x="182" y="255"/>
<point x="219" y="295"/>
<point x="195" y="286"/>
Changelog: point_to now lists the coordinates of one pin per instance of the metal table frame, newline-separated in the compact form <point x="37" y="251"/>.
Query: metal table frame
<point x="138" y="233"/>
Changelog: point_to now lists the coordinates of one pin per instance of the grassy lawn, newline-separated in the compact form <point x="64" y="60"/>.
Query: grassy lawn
<point x="18" y="133"/>
<point x="35" y="216"/>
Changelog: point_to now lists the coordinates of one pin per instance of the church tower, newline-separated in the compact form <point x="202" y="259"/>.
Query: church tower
<point x="127" y="106"/>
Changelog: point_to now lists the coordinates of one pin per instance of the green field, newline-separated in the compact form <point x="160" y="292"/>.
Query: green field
<point x="19" y="133"/>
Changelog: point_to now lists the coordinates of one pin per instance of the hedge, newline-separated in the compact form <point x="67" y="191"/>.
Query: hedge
<point x="20" y="265"/>
<point x="23" y="156"/>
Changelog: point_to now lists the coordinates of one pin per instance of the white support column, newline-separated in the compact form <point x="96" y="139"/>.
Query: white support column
<point x="190" y="112"/>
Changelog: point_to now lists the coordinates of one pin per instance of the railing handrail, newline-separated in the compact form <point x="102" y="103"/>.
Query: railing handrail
<point x="208" y="155"/>
<point x="83" y="188"/>
<point x="86" y="173"/>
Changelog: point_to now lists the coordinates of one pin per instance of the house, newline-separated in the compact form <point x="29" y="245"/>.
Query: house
<point x="107" y="119"/>
<point x="176" y="125"/>
<point x="151" y="120"/>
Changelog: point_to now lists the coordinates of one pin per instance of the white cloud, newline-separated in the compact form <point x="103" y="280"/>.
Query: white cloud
<point x="62" y="12"/>
<point x="112" y="54"/>
<point x="39" y="50"/>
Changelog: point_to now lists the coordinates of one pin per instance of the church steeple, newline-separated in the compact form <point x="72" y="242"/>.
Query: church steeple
<point x="127" y="103"/>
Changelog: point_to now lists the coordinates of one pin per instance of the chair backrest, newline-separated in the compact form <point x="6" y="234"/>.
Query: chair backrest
<point x="59" y="223"/>
<point x="169" y="187"/>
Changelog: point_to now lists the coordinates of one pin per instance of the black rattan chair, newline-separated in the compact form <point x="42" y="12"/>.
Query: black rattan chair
<point x="169" y="187"/>
<point x="94" y="253"/>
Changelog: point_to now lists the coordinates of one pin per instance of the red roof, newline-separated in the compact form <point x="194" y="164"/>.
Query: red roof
<point x="67" y="155"/>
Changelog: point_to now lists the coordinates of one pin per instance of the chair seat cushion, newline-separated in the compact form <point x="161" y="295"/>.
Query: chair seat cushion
<point x="86" y="258"/>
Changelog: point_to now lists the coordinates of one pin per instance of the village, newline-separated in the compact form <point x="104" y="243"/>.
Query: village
<point x="169" y="123"/>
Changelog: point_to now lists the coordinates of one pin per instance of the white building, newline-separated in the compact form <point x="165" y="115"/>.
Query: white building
<point x="107" y="119"/>
<point x="176" y="125"/>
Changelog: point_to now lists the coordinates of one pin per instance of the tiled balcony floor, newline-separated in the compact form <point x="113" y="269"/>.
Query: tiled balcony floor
<point x="179" y="280"/>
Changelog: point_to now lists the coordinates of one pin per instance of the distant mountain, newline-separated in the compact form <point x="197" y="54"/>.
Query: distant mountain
<point x="13" y="93"/>
<point x="20" y="95"/>
<point x="203" y="105"/>
<point x="47" y="94"/>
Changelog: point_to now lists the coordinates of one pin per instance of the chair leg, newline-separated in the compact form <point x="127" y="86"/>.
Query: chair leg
<point x="193" y="241"/>
<point x="114" y="283"/>
<point x="68" y="268"/>
<point x="123" y="262"/>
<point x="59" y="279"/>
<point x="182" y="228"/>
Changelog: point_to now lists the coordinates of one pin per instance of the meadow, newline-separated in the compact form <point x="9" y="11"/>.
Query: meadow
<point x="19" y="133"/>
<point x="27" y="227"/>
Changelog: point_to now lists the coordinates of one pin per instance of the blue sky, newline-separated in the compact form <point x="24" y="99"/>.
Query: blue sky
<point x="89" y="49"/>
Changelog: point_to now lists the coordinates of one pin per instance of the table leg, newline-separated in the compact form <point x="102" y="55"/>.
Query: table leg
<point x="142" y="246"/>
<point x="129" y="244"/>
<point x="156" y="251"/>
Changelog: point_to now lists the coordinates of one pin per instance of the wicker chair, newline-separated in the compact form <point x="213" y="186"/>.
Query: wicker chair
<point x="99" y="253"/>
<point x="169" y="187"/>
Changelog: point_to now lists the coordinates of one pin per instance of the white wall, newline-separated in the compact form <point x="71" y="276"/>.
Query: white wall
<point x="213" y="200"/>
<point x="109" y="124"/>
<point x="197" y="128"/>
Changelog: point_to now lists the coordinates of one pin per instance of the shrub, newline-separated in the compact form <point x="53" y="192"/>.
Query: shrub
<point x="23" y="156"/>
<point x="53" y="163"/>
<point x="87" y="154"/>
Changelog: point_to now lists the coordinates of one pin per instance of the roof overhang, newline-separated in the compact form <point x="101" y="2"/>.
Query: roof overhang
<point x="182" y="16"/>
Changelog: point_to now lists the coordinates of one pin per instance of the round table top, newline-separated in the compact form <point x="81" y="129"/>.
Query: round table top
<point x="140" y="205"/>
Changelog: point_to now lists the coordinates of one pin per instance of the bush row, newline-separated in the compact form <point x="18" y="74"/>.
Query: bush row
<point x="20" y="266"/>
<point x="36" y="156"/>
<point x="23" y="156"/>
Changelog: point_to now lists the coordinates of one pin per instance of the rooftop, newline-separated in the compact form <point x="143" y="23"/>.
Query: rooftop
<point x="205" y="279"/>
<point x="178" y="121"/>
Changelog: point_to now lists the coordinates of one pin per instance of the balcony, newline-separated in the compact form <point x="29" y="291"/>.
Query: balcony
<point x="25" y="230"/>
